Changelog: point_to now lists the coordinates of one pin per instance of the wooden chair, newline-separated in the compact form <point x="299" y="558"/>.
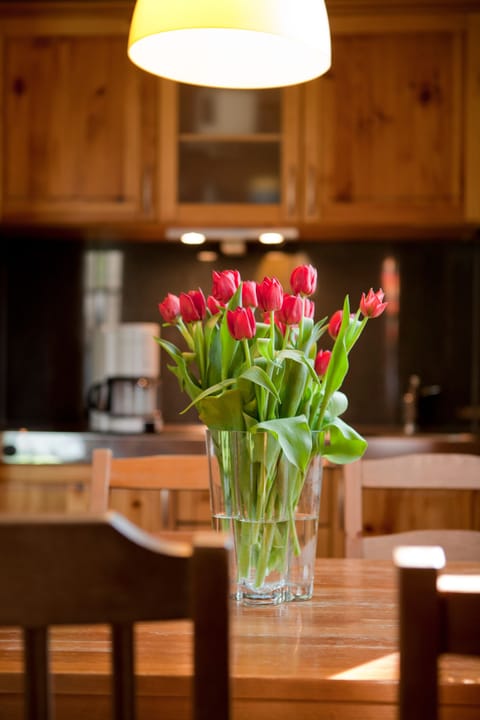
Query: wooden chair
<point x="103" y="569"/>
<point x="437" y="615"/>
<point x="422" y="471"/>
<point x="169" y="473"/>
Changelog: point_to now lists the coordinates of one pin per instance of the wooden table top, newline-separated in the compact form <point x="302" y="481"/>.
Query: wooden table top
<point x="334" y="656"/>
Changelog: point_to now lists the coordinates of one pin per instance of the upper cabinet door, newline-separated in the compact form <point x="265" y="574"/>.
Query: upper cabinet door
<point x="72" y="127"/>
<point x="228" y="156"/>
<point x="384" y="128"/>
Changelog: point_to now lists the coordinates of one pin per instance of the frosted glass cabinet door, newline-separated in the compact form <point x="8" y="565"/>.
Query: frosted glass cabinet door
<point x="228" y="155"/>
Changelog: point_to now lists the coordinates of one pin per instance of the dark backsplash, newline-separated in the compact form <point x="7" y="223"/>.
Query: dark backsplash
<point x="432" y="328"/>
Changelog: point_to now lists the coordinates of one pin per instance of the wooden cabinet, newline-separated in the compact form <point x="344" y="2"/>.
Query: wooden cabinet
<point x="386" y="134"/>
<point x="388" y="137"/>
<point x="76" y="132"/>
<point x="228" y="156"/>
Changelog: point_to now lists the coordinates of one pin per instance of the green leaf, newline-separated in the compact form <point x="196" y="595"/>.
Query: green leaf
<point x="265" y="350"/>
<point x="294" y="437"/>
<point x="224" y="412"/>
<point x="258" y="376"/>
<point x="180" y="369"/>
<point x="311" y="334"/>
<point x="213" y="390"/>
<point x="298" y="357"/>
<point x="338" y="365"/>
<point x="214" y="356"/>
<point x="344" y="443"/>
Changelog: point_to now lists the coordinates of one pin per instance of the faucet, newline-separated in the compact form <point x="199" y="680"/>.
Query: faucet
<point x="410" y="405"/>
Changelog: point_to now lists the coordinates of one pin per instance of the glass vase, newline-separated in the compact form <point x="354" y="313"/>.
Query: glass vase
<point x="271" y="508"/>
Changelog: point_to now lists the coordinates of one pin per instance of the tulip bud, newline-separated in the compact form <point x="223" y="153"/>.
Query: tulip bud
<point x="372" y="305"/>
<point x="225" y="284"/>
<point x="241" y="323"/>
<point x="291" y="311"/>
<point x="270" y="294"/>
<point x="334" y="324"/>
<point x="193" y="306"/>
<point x="304" y="280"/>
<point x="169" y="308"/>
<point x="249" y="293"/>
<point x="213" y="305"/>
<point x="308" y="308"/>
<point x="321" y="362"/>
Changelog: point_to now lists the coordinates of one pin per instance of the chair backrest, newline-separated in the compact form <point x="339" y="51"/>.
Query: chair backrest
<point x="128" y="577"/>
<point x="421" y="471"/>
<point x="153" y="472"/>
<point x="437" y="615"/>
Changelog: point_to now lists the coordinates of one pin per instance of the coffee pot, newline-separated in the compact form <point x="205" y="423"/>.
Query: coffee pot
<point x="125" y="389"/>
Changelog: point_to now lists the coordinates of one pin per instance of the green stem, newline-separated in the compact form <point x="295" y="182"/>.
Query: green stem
<point x="265" y="553"/>
<point x="246" y="350"/>
<point x="187" y="336"/>
<point x="272" y="330"/>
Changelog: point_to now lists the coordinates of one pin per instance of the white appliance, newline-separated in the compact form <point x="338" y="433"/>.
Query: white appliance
<point x="124" y="395"/>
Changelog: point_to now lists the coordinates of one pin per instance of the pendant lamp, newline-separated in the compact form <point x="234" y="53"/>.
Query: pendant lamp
<point x="231" y="43"/>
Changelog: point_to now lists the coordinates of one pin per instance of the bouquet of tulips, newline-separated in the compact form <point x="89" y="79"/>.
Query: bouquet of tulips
<point x="244" y="372"/>
<point x="251" y="361"/>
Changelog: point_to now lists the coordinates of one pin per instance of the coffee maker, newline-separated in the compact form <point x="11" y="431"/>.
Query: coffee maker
<point x="125" y="389"/>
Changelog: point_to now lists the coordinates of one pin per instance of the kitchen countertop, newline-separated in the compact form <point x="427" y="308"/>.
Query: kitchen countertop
<point x="52" y="447"/>
<point x="45" y="447"/>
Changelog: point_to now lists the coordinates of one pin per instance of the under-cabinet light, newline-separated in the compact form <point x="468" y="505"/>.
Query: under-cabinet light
<point x="192" y="238"/>
<point x="271" y="238"/>
<point x="229" y="234"/>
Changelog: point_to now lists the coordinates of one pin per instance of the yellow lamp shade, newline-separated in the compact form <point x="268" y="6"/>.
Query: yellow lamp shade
<point x="231" y="43"/>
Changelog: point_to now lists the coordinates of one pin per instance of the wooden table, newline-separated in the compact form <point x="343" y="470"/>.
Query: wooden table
<point x="332" y="657"/>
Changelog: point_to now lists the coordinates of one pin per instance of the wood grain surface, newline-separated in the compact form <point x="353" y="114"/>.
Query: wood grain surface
<point x="332" y="657"/>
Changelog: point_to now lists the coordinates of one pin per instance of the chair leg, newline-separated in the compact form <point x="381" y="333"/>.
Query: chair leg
<point x="38" y="695"/>
<point x="210" y="612"/>
<point x="123" y="671"/>
<point x="418" y="690"/>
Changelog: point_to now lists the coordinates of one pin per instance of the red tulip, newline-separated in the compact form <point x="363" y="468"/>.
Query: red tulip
<point x="270" y="294"/>
<point x="169" y="308"/>
<point x="249" y="293"/>
<point x="193" y="306"/>
<point x="291" y="311"/>
<point x="334" y="324"/>
<point x="225" y="284"/>
<point x="372" y="304"/>
<point x="241" y="323"/>
<point x="321" y="362"/>
<point x="308" y="308"/>
<point x="304" y="280"/>
<point x="213" y="305"/>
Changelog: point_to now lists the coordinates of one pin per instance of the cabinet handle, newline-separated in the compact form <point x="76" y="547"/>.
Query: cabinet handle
<point x="311" y="191"/>
<point x="291" y="192"/>
<point x="147" y="191"/>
